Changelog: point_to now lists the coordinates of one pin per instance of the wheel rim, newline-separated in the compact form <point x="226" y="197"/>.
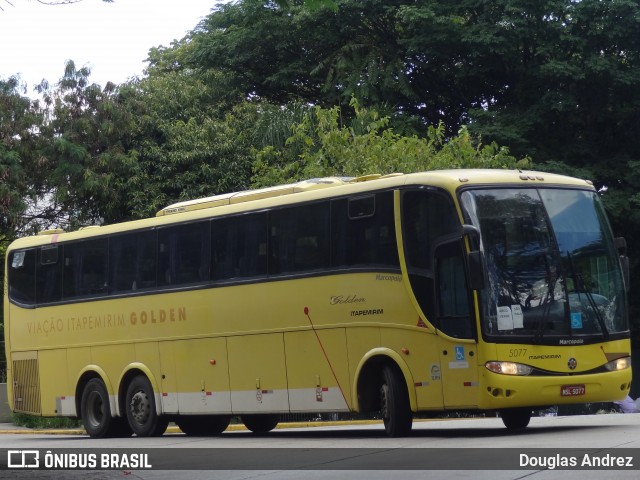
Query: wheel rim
<point x="95" y="412"/>
<point x="140" y="407"/>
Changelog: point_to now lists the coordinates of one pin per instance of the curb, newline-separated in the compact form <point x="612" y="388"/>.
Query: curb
<point x="173" y="429"/>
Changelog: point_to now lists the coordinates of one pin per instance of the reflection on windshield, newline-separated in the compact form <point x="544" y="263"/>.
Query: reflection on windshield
<point x="552" y="268"/>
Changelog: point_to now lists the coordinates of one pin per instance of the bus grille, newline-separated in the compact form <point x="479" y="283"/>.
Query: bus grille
<point x="26" y="386"/>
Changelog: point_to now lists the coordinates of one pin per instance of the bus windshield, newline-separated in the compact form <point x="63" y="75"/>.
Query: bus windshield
<point x="553" y="271"/>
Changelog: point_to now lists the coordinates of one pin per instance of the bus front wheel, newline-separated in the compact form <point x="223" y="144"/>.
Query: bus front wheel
<point x="203" y="425"/>
<point x="261" y="423"/>
<point x="96" y="412"/>
<point x="141" y="409"/>
<point x="394" y="403"/>
<point x="516" y="418"/>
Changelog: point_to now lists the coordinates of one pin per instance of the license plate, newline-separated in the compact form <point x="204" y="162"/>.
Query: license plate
<point x="572" y="390"/>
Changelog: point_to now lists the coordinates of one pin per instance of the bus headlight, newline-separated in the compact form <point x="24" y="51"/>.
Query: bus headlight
<point x="618" y="364"/>
<point x="508" y="368"/>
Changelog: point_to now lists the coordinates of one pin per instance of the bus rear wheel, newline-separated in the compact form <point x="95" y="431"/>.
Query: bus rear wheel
<point x="203" y="425"/>
<point x="260" y="423"/>
<point x="394" y="403"/>
<point x="141" y="409"/>
<point x="96" y="412"/>
<point x="516" y="418"/>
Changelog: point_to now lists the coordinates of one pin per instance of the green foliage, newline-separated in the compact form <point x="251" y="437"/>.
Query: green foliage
<point x="193" y="135"/>
<point x="323" y="146"/>
<point x="33" y="421"/>
<point x="557" y="79"/>
<point x="19" y="119"/>
<point x="570" y="76"/>
<point x="310" y="4"/>
<point x="87" y="155"/>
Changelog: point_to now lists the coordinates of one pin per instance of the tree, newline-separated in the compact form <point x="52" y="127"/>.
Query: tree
<point x="555" y="79"/>
<point x="20" y="120"/>
<point x="321" y="146"/>
<point x="194" y="133"/>
<point x="410" y="60"/>
<point x="320" y="56"/>
<point x="568" y="75"/>
<point x="88" y="152"/>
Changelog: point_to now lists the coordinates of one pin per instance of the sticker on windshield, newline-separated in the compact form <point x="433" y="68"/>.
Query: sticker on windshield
<point x="505" y="318"/>
<point x="510" y="317"/>
<point x="518" y="316"/>
<point x="18" y="259"/>
<point x="576" y="320"/>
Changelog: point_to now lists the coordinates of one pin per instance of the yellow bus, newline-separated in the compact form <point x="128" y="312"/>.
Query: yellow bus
<point x="479" y="290"/>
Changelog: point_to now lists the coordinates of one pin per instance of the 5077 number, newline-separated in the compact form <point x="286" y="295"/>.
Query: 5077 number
<point x="517" y="352"/>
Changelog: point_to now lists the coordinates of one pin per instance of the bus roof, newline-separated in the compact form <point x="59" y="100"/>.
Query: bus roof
<point x="308" y="190"/>
<point x="252" y="195"/>
<point x="462" y="176"/>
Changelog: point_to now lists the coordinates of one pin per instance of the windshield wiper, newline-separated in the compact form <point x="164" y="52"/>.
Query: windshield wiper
<point x="581" y="286"/>
<point x="548" y="300"/>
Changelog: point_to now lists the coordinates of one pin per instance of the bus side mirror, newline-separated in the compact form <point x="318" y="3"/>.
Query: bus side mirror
<point x="474" y="235"/>
<point x="621" y="245"/>
<point x="474" y="258"/>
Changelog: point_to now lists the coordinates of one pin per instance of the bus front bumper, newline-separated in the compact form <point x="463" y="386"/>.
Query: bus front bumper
<point x="509" y="391"/>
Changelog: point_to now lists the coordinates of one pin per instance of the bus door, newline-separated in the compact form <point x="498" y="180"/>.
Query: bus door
<point x="429" y="222"/>
<point x="455" y="327"/>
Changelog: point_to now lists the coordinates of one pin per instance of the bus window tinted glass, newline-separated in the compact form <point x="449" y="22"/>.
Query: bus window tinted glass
<point x="183" y="254"/>
<point x="452" y="292"/>
<point x="428" y="215"/>
<point x="361" y="207"/>
<point x="299" y="238"/>
<point x="49" y="274"/>
<point x="363" y="231"/>
<point x="85" y="268"/>
<point x="239" y="246"/>
<point x="132" y="260"/>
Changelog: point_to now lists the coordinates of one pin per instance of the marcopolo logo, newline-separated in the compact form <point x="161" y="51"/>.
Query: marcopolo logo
<point x="23" y="459"/>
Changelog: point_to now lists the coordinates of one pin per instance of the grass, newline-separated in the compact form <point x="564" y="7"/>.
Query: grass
<point x="34" y="421"/>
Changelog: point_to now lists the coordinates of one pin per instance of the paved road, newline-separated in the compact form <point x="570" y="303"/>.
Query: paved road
<point x="447" y="449"/>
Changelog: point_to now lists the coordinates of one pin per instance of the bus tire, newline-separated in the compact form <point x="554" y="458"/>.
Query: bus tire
<point x="95" y="412"/>
<point x="203" y="425"/>
<point x="260" y="423"/>
<point x="394" y="403"/>
<point x="140" y="405"/>
<point x="516" y="418"/>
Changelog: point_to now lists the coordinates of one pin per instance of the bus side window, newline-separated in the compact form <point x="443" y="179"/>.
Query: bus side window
<point x="22" y="276"/>
<point x="49" y="274"/>
<point x="183" y="254"/>
<point x="222" y="249"/>
<point x="363" y="231"/>
<point x="239" y="246"/>
<point x="85" y="268"/>
<point x="132" y="261"/>
<point x="299" y="238"/>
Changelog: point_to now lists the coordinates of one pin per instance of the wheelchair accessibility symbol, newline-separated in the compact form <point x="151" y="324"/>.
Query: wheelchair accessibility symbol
<point x="459" y="353"/>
